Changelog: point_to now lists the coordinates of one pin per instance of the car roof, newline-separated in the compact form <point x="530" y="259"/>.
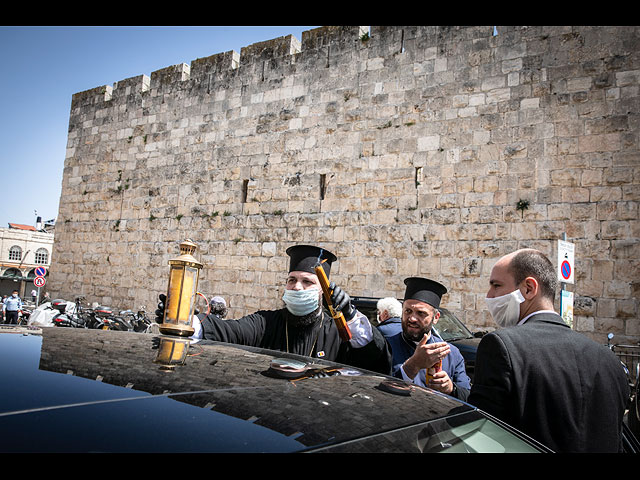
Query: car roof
<point x="74" y="390"/>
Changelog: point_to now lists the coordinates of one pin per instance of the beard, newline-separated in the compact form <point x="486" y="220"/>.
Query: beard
<point x="303" y="320"/>
<point x="415" y="335"/>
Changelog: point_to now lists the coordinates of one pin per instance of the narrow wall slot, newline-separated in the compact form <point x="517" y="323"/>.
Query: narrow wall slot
<point x="245" y="189"/>
<point x="323" y="185"/>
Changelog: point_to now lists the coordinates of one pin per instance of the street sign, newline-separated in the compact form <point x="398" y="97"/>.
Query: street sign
<point x="566" y="307"/>
<point x="565" y="261"/>
<point x="39" y="282"/>
<point x="41" y="271"/>
<point x="565" y="270"/>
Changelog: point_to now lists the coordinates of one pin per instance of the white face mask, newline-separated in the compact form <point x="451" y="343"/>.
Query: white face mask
<point x="505" y="310"/>
<point x="301" y="302"/>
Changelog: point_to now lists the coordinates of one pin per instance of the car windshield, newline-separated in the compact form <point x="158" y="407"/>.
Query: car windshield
<point x="479" y="435"/>
<point x="449" y="328"/>
<point x="468" y="432"/>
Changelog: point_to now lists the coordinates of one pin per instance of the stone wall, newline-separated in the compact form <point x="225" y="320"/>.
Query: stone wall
<point x="406" y="151"/>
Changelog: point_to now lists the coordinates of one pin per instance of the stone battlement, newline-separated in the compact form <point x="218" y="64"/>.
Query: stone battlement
<point x="225" y="65"/>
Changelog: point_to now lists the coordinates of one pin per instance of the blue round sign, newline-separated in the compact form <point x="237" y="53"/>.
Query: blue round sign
<point x="41" y="271"/>
<point x="566" y="270"/>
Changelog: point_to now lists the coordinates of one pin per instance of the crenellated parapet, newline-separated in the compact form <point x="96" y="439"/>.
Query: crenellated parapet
<point x="223" y="67"/>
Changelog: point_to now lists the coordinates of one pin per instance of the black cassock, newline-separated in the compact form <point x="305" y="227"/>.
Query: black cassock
<point x="275" y="330"/>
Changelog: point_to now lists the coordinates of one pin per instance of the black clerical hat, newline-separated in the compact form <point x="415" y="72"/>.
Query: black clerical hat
<point x="424" y="290"/>
<point x="305" y="258"/>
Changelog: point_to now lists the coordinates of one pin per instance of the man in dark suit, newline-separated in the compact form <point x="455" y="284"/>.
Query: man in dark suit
<point x="538" y="375"/>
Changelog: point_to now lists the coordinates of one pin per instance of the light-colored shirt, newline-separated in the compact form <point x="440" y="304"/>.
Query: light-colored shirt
<point x="12" y="304"/>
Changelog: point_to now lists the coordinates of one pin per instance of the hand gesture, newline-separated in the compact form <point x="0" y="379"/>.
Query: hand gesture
<point x="428" y="354"/>
<point x="425" y="356"/>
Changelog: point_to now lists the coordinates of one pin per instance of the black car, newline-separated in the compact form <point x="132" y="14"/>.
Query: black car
<point x="84" y="390"/>
<point x="449" y="328"/>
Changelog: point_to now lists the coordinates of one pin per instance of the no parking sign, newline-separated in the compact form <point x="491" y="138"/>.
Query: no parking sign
<point x="565" y="261"/>
<point x="39" y="281"/>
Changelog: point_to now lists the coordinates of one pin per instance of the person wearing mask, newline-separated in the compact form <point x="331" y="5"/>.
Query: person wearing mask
<point x="389" y="313"/>
<point x="537" y="374"/>
<point x="417" y="350"/>
<point x="303" y="326"/>
<point x="11" y="308"/>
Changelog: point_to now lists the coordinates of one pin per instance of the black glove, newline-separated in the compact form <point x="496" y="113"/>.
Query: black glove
<point x="161" y="307"/>
<point x="341" y="302"/>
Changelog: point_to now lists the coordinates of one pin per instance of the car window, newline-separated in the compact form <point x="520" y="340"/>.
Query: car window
<point x="468" y="432"/>
<point x="477" y="436"/>
<point x="450" y="328"/>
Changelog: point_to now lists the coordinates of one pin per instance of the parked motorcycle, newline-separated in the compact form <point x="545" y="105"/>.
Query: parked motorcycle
<point x="99" y="317"/>
<point x="73" y="315"/>
<point x="66" y="318"/>
<point x="24" y="314"/>
<point x="109" y="321"/>
<point x="138" y="320"/>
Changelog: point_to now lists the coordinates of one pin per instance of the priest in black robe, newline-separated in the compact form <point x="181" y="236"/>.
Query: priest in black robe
<point x="303" y="326"/>
<point x="416" y="347"/>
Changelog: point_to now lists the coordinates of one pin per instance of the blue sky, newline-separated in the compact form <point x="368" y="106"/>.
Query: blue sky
<point x="42" y="67"/>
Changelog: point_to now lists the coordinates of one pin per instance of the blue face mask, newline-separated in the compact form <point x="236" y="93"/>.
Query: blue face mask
<point x="301" y="302"/>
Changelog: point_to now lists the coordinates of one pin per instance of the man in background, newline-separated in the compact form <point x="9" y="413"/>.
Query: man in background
<point x="389" y="312"/>
<point x="11" y="308"/>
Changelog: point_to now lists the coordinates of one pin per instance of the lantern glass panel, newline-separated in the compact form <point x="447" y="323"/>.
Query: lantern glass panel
<point x="183" y="282"/>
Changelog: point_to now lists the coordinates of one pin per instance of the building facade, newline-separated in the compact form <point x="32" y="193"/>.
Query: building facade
<point x="23" y="248"/>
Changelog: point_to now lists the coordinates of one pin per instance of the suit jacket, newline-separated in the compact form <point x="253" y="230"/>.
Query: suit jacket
<point x="552" y="383"/>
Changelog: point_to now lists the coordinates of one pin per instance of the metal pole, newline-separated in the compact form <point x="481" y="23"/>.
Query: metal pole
<point x="563" y="285"/>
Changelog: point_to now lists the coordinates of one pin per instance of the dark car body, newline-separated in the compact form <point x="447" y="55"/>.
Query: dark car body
<point x="448" y="327"/>
<point x="83" y="390"/>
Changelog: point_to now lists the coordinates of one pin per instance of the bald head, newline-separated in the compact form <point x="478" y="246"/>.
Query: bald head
<point x="533" y="263"/>
<point x="529" y="271"/>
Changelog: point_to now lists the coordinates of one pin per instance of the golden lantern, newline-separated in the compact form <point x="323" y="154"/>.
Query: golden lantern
<point x="181" y="292"/>
<point x="172" y="352"/>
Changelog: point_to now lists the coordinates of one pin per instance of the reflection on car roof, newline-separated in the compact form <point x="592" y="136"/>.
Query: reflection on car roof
<point x="117" y="371"/>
